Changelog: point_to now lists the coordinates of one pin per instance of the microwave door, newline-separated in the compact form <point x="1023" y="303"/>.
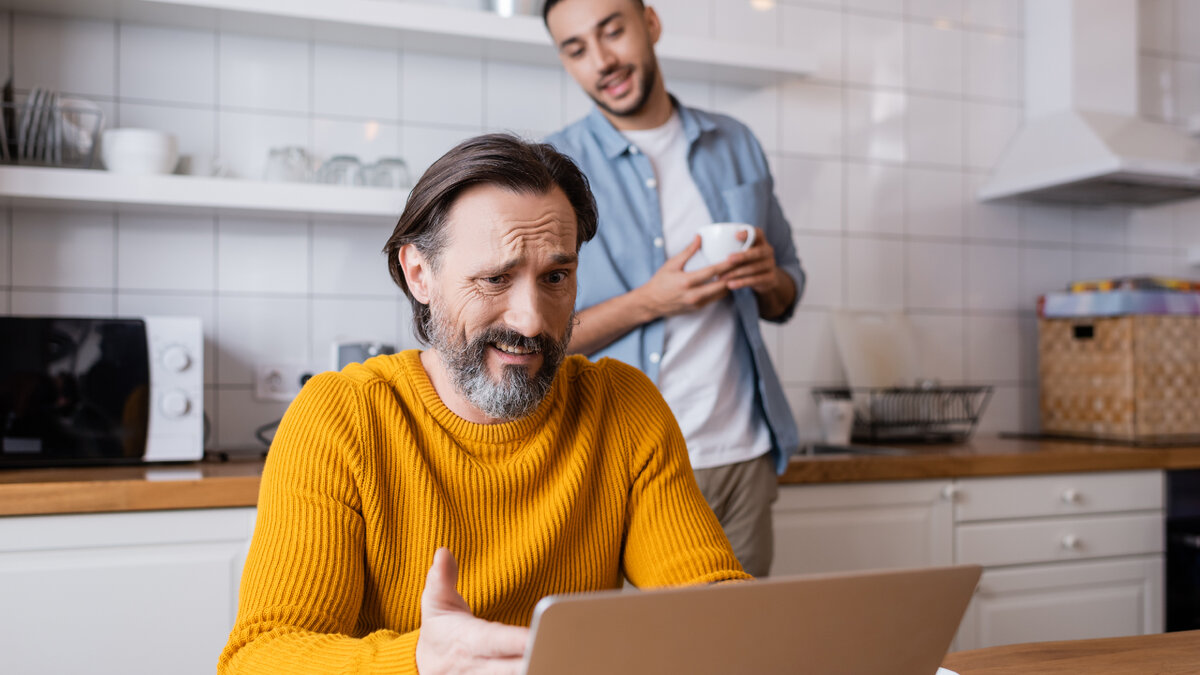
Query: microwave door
<point x="73" y="391"/>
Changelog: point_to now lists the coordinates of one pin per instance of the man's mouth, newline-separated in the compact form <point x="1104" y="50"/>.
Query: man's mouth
<point x="513" y="349"/>
<point x="618" y="83"/>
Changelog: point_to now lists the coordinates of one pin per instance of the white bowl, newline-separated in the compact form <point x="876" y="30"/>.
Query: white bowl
<point x="139" y="151"/>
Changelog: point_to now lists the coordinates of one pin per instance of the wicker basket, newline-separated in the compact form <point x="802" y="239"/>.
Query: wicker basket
<point x="1129" y="378"/>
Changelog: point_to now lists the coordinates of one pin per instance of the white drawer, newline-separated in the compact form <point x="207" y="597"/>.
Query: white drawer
<point x="1053" y="539"/>
<point x="1057" y="495"/>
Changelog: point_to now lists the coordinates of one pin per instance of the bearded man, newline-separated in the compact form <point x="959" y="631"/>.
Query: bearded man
<point x="414" y="508"/>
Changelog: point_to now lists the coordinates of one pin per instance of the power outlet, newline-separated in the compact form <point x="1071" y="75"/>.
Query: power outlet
<point x="278" y="381"/>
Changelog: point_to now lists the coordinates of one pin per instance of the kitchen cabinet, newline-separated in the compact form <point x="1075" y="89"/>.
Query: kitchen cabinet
<point x="857" y="526"/>
<point x="136" y="592"/>
<point x="1065" y="556"/>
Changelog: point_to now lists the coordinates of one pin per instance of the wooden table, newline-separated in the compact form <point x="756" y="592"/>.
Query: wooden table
<point x="1161" y="654"/>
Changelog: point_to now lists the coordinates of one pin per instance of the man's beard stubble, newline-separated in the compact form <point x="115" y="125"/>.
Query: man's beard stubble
<point x="516" y="394"/>
<point x="649" y="72"/>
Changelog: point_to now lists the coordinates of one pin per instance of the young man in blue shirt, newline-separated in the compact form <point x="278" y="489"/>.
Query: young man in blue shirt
<point x="647" y="296"/>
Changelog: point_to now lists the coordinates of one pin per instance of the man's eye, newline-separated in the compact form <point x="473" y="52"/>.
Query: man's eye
<point x="495" y="281"/>
<point x="574" y="53"/>
<point x="557" y="277"/>
<point x="616" y="32"/>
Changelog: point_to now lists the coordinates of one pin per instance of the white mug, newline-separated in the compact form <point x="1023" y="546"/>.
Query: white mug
<point x="719" y="240"/>
<point x="837" y="420"/>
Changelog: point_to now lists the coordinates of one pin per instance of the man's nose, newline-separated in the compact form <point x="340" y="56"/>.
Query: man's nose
<point x="604" y="59"/>
<point x="526" y="312"/>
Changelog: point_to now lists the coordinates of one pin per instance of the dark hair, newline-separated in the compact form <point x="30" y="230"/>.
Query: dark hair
<point x="549" y="4"/>
<point x="519" y="166"/>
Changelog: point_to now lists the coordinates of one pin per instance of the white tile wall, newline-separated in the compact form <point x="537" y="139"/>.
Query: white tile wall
<point x="457" y="81"/>
<point x="62" y="249"/>
<point x="946" y="10"/>
<point x="1156" y="25"/>
<point x="263" y="255"/>
<point x="815" y="118"/>
<point x="875" y="49"/>
<point x="523" y="97"/>
<point x="935" y="57"/>
<point x="875" y="198"/>
<point x="935" y="202"/>
<point x="935" y="130"/>
<point x="994" y="66"/>
<point x="343" y="320"/>
<point x="746" y="22"/>
<point x="818" y="32"/>
<point x="167" y="64"/>
<point x="76" y="56"/>
<point x="877" y="159"/>
<point x="813" y="198"/>
<point x="756" y="107"/>
<point x="356" y="82"/>
<point x="875" y="273"/>
<point x="935" y="276"/>
<point x="876" y="125"/>
<point x="265" y="73"/>
<point x="260" y="330"/>
<point x="348" y="260"/>
<point x="822" y="257"/>
<point x="166" y="252"/>
<point x="63" y="303"/>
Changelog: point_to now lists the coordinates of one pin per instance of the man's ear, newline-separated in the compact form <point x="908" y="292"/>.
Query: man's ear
<point x="417" y="272"/>
<point x="653" y="24"/>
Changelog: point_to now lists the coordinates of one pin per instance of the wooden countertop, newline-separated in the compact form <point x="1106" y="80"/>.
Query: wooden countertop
<point x="987" y="456"/>
<point x="197" y="485"/>
<point x="1138" y="655"/>
<point x="235" y="483"/>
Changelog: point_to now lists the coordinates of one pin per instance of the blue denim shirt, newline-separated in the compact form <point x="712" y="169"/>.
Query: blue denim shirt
<point x="731" y="172"/>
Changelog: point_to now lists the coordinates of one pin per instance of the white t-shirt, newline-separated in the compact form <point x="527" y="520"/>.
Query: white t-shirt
<point x="706" y="374"/>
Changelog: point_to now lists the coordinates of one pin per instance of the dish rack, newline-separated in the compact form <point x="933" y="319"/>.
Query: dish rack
<point x="59" y="133"/>
<point x="912" y="414"/>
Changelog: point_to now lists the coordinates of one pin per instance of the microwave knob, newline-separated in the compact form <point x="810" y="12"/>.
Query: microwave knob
<point x="176" y="358"/>
<point x="175" y="403"/>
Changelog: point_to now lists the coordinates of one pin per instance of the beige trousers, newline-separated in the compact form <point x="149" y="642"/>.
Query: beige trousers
<point x="741" y="495"/>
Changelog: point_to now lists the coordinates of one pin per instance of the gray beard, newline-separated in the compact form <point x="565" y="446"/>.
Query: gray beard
<point x="517" y="394"/>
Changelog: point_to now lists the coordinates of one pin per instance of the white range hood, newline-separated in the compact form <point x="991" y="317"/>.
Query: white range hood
<point x="1083" y="140"/>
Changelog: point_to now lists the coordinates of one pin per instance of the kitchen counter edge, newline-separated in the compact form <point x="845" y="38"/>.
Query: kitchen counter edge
<point x="212" y="484"/>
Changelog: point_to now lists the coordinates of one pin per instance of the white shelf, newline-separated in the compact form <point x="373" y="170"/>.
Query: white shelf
<point x="395" y="23"/>
<point x="39" y="186"/>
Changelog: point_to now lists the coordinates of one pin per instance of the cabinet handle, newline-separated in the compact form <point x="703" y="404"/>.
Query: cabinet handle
<point x="950" y="493"/>
<point x="1070" y="542"/>
<point x="1071" y="496"/>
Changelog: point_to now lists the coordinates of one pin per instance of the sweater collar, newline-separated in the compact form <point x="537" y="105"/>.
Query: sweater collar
<point x="503" y="436"/>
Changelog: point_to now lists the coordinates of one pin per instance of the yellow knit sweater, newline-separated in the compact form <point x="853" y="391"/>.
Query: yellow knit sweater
<point x="370" y="473"/>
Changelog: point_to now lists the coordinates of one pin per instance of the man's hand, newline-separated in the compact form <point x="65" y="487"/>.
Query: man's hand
<point x="755" y="269"/>
<point x="673" y="291"/>
<point x="452" y="639"/>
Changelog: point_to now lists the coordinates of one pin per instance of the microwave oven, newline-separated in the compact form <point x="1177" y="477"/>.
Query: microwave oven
<point x="92" y="391"/>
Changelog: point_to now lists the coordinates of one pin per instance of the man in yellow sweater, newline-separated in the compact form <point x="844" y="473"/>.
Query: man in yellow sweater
<point x="415" y="508"/>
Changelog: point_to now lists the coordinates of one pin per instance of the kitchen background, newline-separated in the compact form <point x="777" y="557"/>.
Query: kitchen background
<point x="877" y="157"/>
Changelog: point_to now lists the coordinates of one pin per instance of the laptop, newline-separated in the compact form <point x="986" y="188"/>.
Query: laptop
<point x="889" y="622"/>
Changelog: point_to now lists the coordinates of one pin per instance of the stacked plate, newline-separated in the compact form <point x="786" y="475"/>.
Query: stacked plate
<point x="49" y="130"/>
